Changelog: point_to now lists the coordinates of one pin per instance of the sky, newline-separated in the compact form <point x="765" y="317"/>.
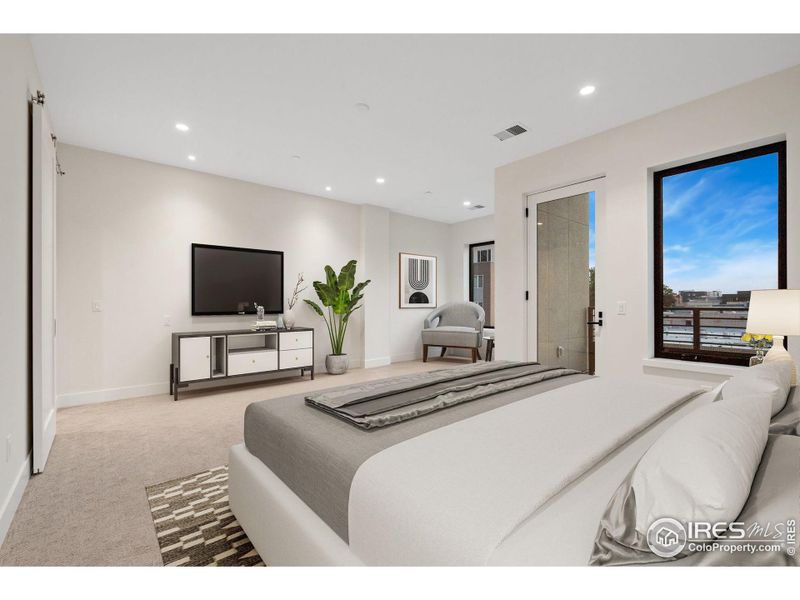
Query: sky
<point x="721" y="227"/>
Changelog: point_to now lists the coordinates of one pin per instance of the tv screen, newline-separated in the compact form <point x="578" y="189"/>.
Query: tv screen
<point x="227" y="281"/>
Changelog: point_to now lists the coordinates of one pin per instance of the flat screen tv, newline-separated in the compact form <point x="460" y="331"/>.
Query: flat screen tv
<point x="227" y="281"/>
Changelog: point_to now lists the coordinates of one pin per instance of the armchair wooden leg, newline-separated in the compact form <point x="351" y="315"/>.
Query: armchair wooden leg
<point x="478" y="350"/>
<point x="474" y="355"/>
<point x="424" y="352"/>
<point x="444" y="349"/>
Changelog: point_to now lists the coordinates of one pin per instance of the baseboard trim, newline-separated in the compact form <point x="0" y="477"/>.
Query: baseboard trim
<point x="11" y="502"/>
<point x="406" y="357"/>
<point x="377" y="362"/>
<point x="107" y="395"/>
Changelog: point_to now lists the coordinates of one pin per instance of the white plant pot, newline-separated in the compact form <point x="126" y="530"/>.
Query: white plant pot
<point x="288" y="319"/>
<point x="336" y="364"/>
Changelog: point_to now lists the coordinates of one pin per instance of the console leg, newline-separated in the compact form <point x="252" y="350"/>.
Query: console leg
<point x="171" y="378"/>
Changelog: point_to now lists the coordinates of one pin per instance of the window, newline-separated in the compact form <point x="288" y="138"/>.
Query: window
<point x="481" y="278"/>
<point x="720" y="232"/>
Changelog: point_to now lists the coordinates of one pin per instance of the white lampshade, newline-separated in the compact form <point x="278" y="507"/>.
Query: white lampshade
<point x="774" y="312"/>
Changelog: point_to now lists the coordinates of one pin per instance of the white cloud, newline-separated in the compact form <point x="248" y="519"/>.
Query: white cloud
<point x="739" y="271"/>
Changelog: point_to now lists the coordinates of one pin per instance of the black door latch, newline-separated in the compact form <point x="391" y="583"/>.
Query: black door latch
<point x="599" y="320"/>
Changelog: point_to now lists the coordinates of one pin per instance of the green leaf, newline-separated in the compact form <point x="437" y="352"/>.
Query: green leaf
<point x="347" y="276"/>
<point x="315" y="306"/>
<point x="325" y="292"/>
<point x="330" y="275"/>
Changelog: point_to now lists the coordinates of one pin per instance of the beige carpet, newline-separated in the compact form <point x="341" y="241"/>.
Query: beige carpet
<point x="89" y="507"/>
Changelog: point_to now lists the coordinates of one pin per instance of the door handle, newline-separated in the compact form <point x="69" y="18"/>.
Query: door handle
<point x="599" y="320"/>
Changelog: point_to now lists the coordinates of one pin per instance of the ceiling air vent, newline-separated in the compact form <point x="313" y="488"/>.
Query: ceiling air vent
<point x="476" y="207"/>
<point x="512" y="131"/>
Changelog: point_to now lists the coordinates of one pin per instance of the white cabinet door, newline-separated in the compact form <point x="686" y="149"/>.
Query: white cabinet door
<point x="195" y="362"/>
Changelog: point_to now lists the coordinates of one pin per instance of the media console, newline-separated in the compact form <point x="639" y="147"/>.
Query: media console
<point x="203" y="356"/>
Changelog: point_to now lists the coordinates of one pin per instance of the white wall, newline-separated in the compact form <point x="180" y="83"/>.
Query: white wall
<point x="416" y="236"/>
<point x="124" y="232"/>
<point x="760" y="111"/>
<point x="20" y="79"/>
<point x="375" y="260"/>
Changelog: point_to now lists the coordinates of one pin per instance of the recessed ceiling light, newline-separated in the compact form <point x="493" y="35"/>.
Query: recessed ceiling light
<point x="192" y="157"/>
<point x="362" y="107"/>
<point x="296" y="156"/>
<point x="466" y="203"/>
<point x="587" y="90"/>
<point x="182" y="127"/>
<point x="428" y="192"/>
<point x="328" y="188"/>
<point x="380" y="180"/>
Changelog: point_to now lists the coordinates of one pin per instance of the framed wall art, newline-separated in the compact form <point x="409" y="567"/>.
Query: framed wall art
<point x="417" y="281"/>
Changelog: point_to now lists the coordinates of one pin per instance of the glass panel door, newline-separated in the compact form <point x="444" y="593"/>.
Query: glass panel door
<point x="565" y="276"/>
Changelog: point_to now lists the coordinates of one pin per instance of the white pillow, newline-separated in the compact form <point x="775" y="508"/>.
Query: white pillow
<point x="772" y="380"/>
<point x="702" y="467"/>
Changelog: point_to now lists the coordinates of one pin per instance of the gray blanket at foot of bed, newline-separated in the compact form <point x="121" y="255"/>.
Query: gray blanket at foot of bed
<point x="317" y="455"/>
<point x="391" y="401"/>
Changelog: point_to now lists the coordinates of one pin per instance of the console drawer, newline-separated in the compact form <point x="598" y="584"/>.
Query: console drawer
<point x="292" y="340"/>
<point x="303" y="357"/>
<point x="256" y="361"/>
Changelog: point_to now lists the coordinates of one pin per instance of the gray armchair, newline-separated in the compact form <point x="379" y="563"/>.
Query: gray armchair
<point x="454" y="325"/>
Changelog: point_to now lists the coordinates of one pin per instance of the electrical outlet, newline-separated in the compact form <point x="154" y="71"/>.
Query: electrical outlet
<point x="97" y="306"/>
<point x="622" y="307"/>
<point x="167" y="321"/>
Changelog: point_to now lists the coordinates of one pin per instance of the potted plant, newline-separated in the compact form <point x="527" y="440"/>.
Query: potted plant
<point x="340" y="295"/>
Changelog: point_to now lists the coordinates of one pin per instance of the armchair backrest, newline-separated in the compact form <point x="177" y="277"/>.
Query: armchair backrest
<point x="459" y="314"/>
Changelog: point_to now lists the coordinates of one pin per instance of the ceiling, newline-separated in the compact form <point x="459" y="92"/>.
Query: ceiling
<point x="255" y="103"/>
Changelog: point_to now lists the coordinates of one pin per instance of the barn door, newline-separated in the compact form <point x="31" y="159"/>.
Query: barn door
<point x="43" y="272"/>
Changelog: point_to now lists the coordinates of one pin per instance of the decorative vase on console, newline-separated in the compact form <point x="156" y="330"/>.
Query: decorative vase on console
<point x="288" y="316"/>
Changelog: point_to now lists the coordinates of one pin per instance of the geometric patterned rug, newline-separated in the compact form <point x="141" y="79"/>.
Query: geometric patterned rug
<point x="194" y="523"/>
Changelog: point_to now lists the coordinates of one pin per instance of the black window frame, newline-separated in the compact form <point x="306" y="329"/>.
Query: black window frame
<point x="472" y="275"/>
<point x="709" y="356"/>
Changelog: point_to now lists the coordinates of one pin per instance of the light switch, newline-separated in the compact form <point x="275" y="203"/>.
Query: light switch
<point x="167" y="321"/>
<point x="622" y="307"/>
<point x="97" y="306"/>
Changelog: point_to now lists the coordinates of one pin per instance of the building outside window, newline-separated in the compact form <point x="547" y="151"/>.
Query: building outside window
<point x="481" y="278"/>
<point x="720" y="232"/>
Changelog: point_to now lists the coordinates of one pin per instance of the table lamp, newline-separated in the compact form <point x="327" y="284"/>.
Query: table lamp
<point x="775" y="313"/>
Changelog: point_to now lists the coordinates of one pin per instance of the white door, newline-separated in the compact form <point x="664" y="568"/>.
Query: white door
<point x="195" y="360"/>
<point x="565" y="299"/>
<point x="43" y="299"/>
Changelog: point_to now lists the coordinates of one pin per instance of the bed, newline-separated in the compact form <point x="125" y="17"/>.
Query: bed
<point x="518" y="477"/>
